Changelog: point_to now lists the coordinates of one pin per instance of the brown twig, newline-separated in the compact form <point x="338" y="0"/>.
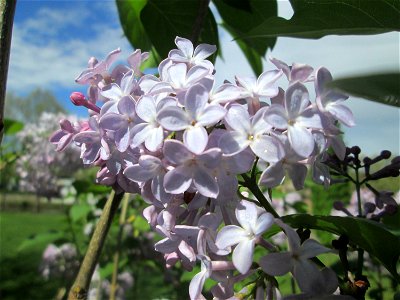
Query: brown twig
<point x="7" y="9"/>
<point x="199" y="22"/>
<point x="80" y="287"/>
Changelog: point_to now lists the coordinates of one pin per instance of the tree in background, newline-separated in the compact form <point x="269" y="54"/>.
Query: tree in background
<point x="30" y="107"/>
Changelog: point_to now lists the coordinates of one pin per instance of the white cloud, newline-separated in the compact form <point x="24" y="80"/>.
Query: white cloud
<point x="45" y="54"/>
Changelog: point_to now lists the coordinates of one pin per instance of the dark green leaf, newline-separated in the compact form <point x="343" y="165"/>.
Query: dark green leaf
<point x="382" y="88"/>
<point x="88" y="186"/>
<point x="368" y="235"/>
<point x="129" y="16"/>
<point x="315" y="19"/>
<point x="164" y="20"/>
<point x="12" y="126"/>
<point x="241" y="19"/>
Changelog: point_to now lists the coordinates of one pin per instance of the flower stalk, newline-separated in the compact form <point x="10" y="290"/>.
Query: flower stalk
<point x="80" y="287"/>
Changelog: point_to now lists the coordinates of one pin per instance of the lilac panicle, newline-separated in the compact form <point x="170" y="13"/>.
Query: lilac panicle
<point x="181" y="141"/>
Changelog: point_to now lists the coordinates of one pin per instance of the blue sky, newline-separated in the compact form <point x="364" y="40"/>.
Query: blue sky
<point x="53" y="40"/>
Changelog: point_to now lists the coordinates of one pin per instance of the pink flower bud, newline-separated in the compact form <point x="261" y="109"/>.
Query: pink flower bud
<point x="78" y="98"/>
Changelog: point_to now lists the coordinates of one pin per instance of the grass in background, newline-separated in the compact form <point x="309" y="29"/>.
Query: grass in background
<point x="19" y="270"/>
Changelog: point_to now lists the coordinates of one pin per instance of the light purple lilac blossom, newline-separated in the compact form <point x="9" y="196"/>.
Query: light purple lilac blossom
<point x="180" y="141"/>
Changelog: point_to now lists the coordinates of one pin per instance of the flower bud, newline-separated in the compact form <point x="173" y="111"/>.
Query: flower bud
<point x="78" y="99"/>
<point x="385" y="154"/>
<point x="355" y="150"/>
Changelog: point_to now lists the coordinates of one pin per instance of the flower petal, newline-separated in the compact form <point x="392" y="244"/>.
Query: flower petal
<point x="342" y="113"/>
<point x="195" y="100"/>
<point x="173" y="118"/>
<point x="238" y="118"/>
<point x="233" y="142"/>
<point x="176" y="152"/>
<point x="230" y="235"/>
<point x="307" y="275"/>
<point x="311" y="248"/>
<point x="264" y="222"/>
<point x="246" y="214"/>
<point x="268" y="148"/>
<point x="205" y="183"/>
<point x="112" y="122"/>
<point x="301" y="140"/>
<point x="138" y="174"/>
<point x="146" y="108"/>
<point x="196" y="286"/>
<point x="155" y="139"/>
<point x="211" y="115"/>
<point x="272" y="176"/>
<point x="296" y="99"/>
<point x="276" y="264"/>
<point x="242" y="256"/>
<point x="195" y="139"/>
<point x="203" y="51"/>
<point x="276" y="116"/>
<point x="185" y="46"/>
<point x="177" y="180"/>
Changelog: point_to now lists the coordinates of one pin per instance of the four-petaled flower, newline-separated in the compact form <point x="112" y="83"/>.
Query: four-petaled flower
<point x="252" y="226"/>
<point x="296" y="260"/>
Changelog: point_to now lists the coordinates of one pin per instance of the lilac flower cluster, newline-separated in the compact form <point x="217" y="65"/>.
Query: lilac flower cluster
<point x="63" y="263"/>
<point x="40" y="168"/>
<point x="180" y="141"/>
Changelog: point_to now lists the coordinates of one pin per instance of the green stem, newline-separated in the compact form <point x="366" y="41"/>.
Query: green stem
<point x="122" y="220"/>
<point x="360" y="258"/>
<point x="253" y="187"/>
<point x="80" y="287"/>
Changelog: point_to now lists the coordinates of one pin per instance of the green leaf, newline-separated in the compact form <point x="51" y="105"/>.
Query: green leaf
<point x="240" y="17"/>
<point x="368" y="235"/>
<point x="79" y="211"/>
<point x="40" y="241"/>
<point x="129" y="16"/>
<point x="12" y="126"/>
<point x="88" y="186"/>
<point x="315" y="19"/>
<point x="164" y="20"/>
<point x="382" y="88"/>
